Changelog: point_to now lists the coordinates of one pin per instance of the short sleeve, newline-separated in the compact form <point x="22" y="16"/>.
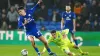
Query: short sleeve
<point x="74" y="16"/>
<point x="20" y="25"/>
<point x="63" y="15"/>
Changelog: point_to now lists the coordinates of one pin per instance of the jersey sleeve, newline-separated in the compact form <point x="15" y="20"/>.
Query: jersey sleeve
<point x="20" y="25"/>
<point x="74" y="16"/>
<point x="32" y="10"/>
<point x="62" y="14"/>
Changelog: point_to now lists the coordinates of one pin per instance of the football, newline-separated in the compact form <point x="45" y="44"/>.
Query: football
<point x="24" y="52"/>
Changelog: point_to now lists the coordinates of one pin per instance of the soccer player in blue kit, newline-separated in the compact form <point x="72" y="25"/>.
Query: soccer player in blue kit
<point x="68" y="22"/>
<point x="26" y="21"/>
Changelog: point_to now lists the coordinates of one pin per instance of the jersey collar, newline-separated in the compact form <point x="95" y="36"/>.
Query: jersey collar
<point x="68" y="12"/>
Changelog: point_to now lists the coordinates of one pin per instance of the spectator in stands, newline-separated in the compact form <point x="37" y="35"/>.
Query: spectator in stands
<point x="0" y="13"/>
<point x="16" y="6"/>
<point x="43" y="28"/>
<point x="41" y="20"/>
<point x="99" y="25"/>
<point x="95" y="26"/>
<point x="25" y="3"/>
<point x="86" y="26"/>
<point x="77" y="8"/>
<point x="93" y="11"/>
<point x="55" y="16"/>
<point x="4" y="22"/>
<point x="28" y="4"/>
<point x="79" y="23"/>
<point x="12" y="16"/>
<point x="88" y="2"/>
<point x="49" y="15"/>
<point x="81" y="1"/>
<point x="4" y="11"/>
<point x="63" y="3"/>
<point x="42" y="15"/>
<point x="98" y="9"/>
<point x="85" y="12"/>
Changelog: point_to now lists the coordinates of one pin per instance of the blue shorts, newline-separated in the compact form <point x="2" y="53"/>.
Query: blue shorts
<point x="71" y="31"/>
<point x="35" y="33"/>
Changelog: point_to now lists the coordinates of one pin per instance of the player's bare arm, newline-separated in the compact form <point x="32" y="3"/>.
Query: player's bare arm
<point x="74" y="25"/>
<point x="62" y="23"/>
<point x="39" y="1"/>
<point x="25" y="22"/>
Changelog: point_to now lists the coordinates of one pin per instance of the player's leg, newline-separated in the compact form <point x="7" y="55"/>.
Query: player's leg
<point x="76" y="47"/>
<point x="41" y="38"/>
<point x="31" y="39"/>
<point x="73" y="36"/>
<point x="79" y="49"/>
<point x="67" y="51"/>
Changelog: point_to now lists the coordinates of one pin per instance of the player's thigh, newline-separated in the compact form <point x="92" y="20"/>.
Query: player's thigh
<point x="38" y="35"/>
<point x="30" y="38"/>
<point x="41" y="38"/>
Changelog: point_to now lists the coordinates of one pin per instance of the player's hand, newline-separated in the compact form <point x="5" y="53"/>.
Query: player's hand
<point x="25" y="22"/>
<point x="39" y="1"/>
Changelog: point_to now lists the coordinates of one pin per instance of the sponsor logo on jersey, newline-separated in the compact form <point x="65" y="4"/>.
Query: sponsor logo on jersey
<point x="67" y="18"/>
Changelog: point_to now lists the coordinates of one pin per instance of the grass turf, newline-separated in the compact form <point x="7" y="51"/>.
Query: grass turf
<point x="15" y="50"/>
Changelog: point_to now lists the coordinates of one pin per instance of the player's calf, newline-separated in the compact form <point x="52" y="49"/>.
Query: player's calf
<point x="41" y="38"/>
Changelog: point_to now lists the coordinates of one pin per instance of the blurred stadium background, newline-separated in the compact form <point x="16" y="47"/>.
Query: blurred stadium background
<point x="48" y="17"/>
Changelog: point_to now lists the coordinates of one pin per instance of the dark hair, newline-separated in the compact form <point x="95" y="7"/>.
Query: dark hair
<point x="53" y="31"/>
<point x="20" y="8"/>
<point x="67" y="5"/>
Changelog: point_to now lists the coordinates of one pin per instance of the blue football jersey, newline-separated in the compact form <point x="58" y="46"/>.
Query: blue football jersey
<point x="31" y="25"/>
<point x="68" y="19"/>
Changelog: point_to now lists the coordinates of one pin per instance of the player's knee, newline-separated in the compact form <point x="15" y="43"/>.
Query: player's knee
<point x="45" y="43"/>
<point x="76" y="47"/>
<point x="32" y="40"/>
<point x="70" y="54"/>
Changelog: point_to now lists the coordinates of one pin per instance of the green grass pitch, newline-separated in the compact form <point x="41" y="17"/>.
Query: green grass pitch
<point x="15" y="50"/>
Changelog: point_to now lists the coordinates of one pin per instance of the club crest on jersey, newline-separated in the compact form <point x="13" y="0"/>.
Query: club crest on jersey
<point x="29" y="14"/>
<point x="18" y="19"/>
<point x="69" y="15"/>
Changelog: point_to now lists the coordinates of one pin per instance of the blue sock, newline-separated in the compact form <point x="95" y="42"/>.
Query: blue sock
<point x="48" y="49"/>
<point x="36" y="49"/>
<point x="76" y="42"/>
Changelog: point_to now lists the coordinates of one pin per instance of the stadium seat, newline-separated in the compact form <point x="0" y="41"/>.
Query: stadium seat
<point x="51" y="27"/>
<point x="45" y="23"/>
<point x="52" y="23"/>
